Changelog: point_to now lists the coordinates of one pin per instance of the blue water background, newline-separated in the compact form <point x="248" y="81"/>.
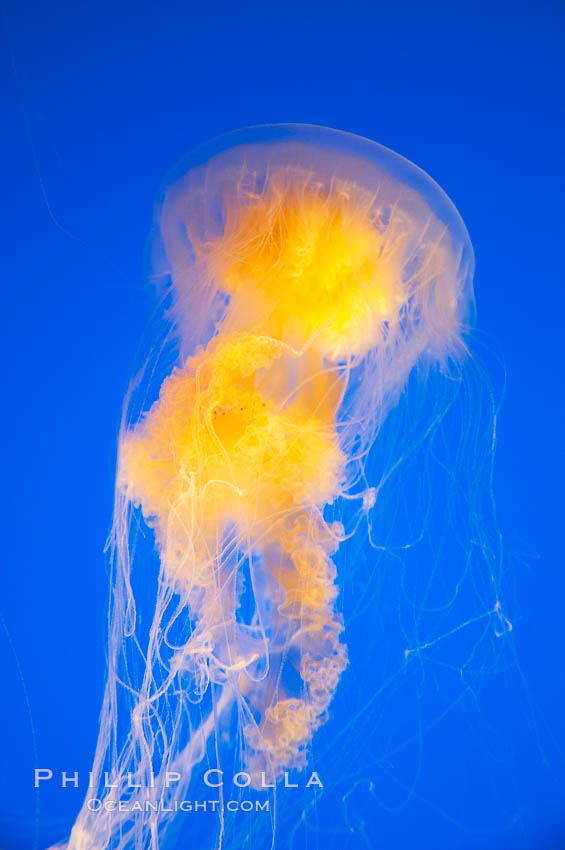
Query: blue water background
<point x="100" y="100"/>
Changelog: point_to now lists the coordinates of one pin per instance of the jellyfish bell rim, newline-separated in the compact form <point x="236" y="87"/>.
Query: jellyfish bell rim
<point x="319" y="135"/>
<point x="404" y="170"/>
<point x="341" y="142"/>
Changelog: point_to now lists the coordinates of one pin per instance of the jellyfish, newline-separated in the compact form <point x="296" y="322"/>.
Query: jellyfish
<point x="305" y="276"/>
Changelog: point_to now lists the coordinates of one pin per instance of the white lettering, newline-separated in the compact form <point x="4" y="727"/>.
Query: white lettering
<point x="264" y="783"/>
<point x="41" y="774"/>
<point x="207" y="778"/>
<point x="288" y="784"/>
<point x="315" y="780"/>
<point x="72" y="779"/>
<point x="242" y="780"/>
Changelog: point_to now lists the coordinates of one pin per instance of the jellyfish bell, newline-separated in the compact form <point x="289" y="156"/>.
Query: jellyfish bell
<point x="305" y="273"/>
<point x="326" y="241"/>
<point x="285" y="214"/>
